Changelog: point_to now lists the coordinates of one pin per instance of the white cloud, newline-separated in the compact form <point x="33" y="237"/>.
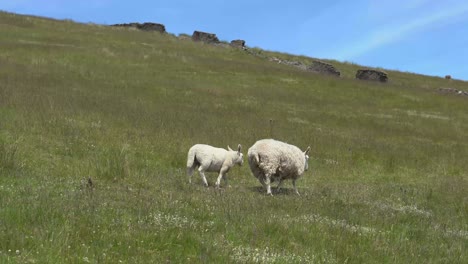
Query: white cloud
<point x="386" y="35"/>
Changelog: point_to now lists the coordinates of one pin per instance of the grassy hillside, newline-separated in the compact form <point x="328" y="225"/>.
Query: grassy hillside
<point x="387" y="179"/>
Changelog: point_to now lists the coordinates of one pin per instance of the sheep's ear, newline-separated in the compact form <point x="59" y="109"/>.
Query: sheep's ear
<point x="229" y="148"/>
<point x="307" y="150"/>
<point x="239" y="148"/>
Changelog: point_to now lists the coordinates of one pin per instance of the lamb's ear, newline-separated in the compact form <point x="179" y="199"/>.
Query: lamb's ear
<point x="239" y="148"/>
<point x="229" y="148"/>
<point x="307" y="150"/>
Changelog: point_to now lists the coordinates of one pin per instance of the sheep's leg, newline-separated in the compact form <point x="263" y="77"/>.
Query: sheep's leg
<point x="222" y="174"/>
<point x="218" y="181"/>
<point x="190" y="173"/>
<point x="279" y="185"/>
<point x="262" y="181"/>
<point x="201" y="170"/>
<point x="295" y="188"/>
<point x="267" y="183"/>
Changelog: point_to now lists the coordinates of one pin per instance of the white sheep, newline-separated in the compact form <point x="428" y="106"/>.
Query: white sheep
<point x="271" y="160"/>
<point x="211" y="159"/>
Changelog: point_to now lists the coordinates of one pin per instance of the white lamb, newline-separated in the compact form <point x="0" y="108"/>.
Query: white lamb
<point x="211" y="159"/>
<point x="271" y="160"/>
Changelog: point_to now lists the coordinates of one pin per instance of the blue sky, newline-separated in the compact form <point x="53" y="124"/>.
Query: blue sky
<point x="421" y="36"/>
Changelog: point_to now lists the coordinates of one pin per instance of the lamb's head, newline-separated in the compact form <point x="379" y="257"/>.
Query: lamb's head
<point x="306" y="157"/>
<point x="238" y="157"/>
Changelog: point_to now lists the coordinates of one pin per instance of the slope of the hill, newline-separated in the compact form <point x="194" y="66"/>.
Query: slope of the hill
<point x="387" y="182"/>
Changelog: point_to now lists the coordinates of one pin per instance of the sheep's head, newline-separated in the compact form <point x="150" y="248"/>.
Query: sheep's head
<point x="306" y="156"/>
<point x="239" y="157"/>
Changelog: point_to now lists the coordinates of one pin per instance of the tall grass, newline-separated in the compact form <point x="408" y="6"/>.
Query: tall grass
<point x="387" y="180"/>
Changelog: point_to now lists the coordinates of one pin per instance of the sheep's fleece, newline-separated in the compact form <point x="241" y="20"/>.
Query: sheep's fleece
<point x="271" y="160"/>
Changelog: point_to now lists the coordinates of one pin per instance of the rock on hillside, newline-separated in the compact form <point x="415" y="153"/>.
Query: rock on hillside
<point x="147" y="26"/>
<point x="316" y="66"/>
<point x="323" y="67"/>
<point x="371" y="75"/>
<point x="238" y="43"/>
<point x="452" y="91"/>
<point x="205" y="37"/>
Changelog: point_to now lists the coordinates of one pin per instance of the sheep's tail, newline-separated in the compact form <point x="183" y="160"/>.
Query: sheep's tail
<point x="192" y="161"/>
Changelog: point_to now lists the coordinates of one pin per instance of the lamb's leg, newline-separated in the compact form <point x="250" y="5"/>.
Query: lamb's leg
<point x="218" y="181"/>
<point x="190" y="173"/>
<point x="222" y="174"/>
<point x="295" y="188"/>
<point x="201" y="170"/>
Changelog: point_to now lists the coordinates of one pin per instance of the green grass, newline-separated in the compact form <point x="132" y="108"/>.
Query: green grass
<point x="387" y="181"/>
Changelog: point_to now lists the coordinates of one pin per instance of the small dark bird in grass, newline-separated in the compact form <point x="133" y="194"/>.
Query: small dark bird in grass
<point x="90" y="183"/>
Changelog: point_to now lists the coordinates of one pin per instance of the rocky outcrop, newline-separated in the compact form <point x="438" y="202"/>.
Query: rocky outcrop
<point x="323" y="67"/>
<point x="452" y="91"/>
<point x="371" y="75"/>
<point x="205" y="37"/>
<point x="316" y="66"/>
<point x="153" y="27"/>
<point x="147" y="26"/>
<point x="296" y="64"/>
<point x="238" y="43"/>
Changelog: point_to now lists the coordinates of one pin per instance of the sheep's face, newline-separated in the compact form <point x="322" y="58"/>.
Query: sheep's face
<point x="239" y="157"/>
<point x="306" y="157"/>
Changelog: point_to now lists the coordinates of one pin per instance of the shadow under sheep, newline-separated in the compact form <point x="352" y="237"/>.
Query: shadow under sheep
<point x="274" y="190"/>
